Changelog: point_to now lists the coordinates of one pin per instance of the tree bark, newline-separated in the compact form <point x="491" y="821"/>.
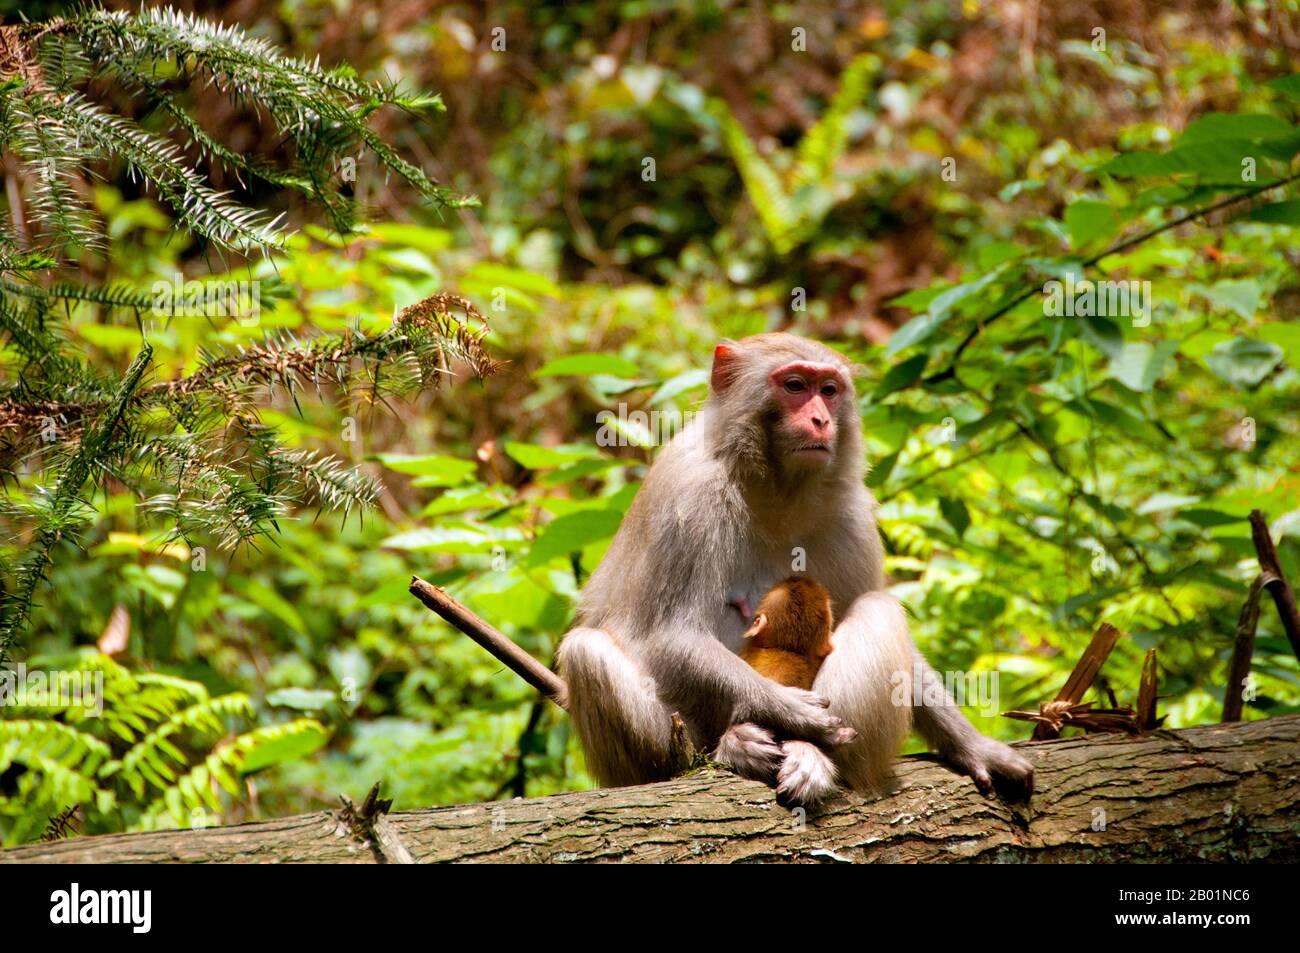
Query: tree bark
<point x="1212" y="793"/>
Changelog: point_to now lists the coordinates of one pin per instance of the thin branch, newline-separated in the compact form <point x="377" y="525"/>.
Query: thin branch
<point x="1124" y="245"/>
<point x="1084" y="673"/>
<point x="1243" y="647"/>
<point x="499" y="645"/>
<point x="1283" y="594"/>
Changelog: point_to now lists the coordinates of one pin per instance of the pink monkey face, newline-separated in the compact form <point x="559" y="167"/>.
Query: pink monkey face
<point x="809" y="395"/>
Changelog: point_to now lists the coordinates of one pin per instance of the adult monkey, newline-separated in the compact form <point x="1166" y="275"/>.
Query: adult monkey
<point x="771" y="470"/>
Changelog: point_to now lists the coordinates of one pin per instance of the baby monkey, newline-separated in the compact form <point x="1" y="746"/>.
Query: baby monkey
<point x="790" y="636"/>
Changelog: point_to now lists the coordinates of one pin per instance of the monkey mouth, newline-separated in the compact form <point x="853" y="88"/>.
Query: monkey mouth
<point x="813" y="448"/>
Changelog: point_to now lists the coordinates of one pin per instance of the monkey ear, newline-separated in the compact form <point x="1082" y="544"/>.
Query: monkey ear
<point x="757" y="626"/>
<point x="827" y="643"/>
<point x="725" y="365"/>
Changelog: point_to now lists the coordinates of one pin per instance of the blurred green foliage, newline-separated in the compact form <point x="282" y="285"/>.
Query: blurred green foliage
<point x="1039" y="473"/>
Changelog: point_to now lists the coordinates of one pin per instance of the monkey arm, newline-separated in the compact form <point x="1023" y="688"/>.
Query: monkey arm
<point x="878" y="682"/>
<point x="941" y="723"/>
<point x="934" y="712"/>
<point x="714" y="688"/>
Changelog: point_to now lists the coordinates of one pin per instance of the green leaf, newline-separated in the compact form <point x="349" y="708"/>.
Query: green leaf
<point x="1219" y="160"/>
<point x="1286" y="85"/>
<point x="303" y="699"/>
<point x="1087" y="221"/>
<point x="1285" y="335"/>
<point x="276" y="744"/>
<point x="1139" y="365"/>
<point x="520" y="602"/>
<point x="572" y="533"/>
<point x="914" y="331"/>
<point x="1013" y="189"/>
<point x="1072" y="605"/>
<point x="1277" y="213"/>
<point x="901" y="375"/>
<point x="586" y="365"/>
<point x="576" y="471"/>
<point x="527" y="281"/>
<point x="879" y="473"/>
<point x="943" y="305"/>
<point x="1208" y="518"/>
<point x="274" y="604"/>
<point x="460" y="539"/>
<point x="1104" y="334"/>
<point x="995" y="253"/>
<point x="680" y="384"/>
<point x="110" y="337"/>
<point x="541" y="458"/>
<point x="918" y="299"/>
<point x="1121" y="418"/>
<point x="1251" y="127"/>
<point x="1244" y="362"/>
<point x="608" y="386"/>
<point x="956" y="514"/>
<point x="459" y="499"/>
<point x="1242" y="296"/>
<point x="1160" y="502"/>
<point x="434" y="469"/>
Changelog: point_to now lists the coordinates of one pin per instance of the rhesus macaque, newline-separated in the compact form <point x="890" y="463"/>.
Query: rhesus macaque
<point x="791" y="633"/>
<point x="769" y="473"/>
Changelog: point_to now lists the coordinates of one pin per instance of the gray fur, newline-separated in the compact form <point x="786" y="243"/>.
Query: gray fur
<point x="718" y="517"/>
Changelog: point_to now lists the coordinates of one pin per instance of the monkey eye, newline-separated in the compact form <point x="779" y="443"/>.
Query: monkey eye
<point x="795" y="386"/>
<point x="829" y="390"/>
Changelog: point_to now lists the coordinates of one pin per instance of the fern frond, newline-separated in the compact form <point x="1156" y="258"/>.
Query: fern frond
<point x="825" y="142"/>
<point x="775" y="210"/>
<point x="63" y="743"/>
<point x="146" y="761"/>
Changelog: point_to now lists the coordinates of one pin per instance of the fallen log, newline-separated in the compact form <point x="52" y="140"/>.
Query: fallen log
<point x="1213" y="793"/>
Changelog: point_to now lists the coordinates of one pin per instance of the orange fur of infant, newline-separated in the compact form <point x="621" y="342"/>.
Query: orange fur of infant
<point x="791" y="633"/>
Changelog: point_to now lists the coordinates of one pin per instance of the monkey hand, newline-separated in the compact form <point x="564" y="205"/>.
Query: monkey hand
<point x="800" y="714"/>
<point x="995" y="766"/>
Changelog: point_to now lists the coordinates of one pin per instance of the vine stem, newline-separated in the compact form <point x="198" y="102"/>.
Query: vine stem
<point x="1124" y="245"/>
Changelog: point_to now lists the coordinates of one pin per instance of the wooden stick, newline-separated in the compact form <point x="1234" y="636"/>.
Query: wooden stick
<point x="502" y="648"/>
<point x="1081" y="679"/>
<point x="1243" y="648"/>
<point x="1146" y="706"/>
<point x="1283" y="594"/>
<point x="370" y="824"/>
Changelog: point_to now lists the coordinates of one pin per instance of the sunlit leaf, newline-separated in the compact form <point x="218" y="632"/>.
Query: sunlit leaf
<point x="1244" y="362"/>
<point x="586" y="365"/>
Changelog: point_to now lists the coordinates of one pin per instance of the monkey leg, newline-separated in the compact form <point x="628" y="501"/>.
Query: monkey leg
<point x="625" y="730"/>
<point x="750" y="751"/>
<point x="866" y="678"/>
<point x="807" y="774"/>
